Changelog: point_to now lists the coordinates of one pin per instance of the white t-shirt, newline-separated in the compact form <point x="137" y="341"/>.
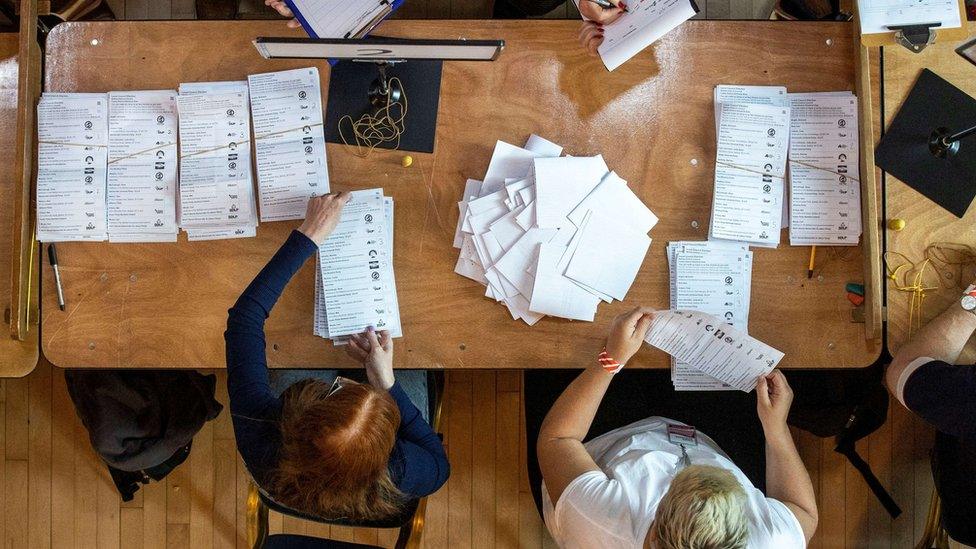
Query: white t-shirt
<point x="614" y="508"/>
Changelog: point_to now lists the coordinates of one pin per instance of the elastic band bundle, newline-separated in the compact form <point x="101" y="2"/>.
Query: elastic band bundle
<point x="609" y="365"/>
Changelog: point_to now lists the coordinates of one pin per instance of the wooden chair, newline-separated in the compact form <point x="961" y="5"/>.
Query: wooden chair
<point x="934" y="535"/>
<point x="411" y="524"/>
<point x="952" y="511"/>
<point x="294" y="541"/>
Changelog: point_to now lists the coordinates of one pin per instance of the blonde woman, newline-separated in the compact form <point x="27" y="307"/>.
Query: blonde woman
<point x="648" y="485"/>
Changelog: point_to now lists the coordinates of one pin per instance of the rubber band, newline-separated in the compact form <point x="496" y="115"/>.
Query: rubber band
<point x="385" y="125"/>
<point x="609" y="365"/>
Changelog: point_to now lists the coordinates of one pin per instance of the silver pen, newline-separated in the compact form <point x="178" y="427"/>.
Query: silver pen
<point x="52" y="255"/>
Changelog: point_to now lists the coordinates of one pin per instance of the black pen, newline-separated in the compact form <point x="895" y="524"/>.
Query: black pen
<point x="52" y="255"/>
<point x="606" y="4"/>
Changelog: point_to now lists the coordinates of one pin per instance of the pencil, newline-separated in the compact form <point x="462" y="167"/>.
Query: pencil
<point x="607" y="4"/>
<point x="813" y="258"/>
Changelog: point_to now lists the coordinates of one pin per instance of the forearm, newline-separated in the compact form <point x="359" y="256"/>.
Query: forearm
<point x="787" y="479"/>
<point x="941" y="339"/>
<point x="572" y="414"/>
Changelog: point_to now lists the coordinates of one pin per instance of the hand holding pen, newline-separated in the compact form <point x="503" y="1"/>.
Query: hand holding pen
<point x="596" y="14"/>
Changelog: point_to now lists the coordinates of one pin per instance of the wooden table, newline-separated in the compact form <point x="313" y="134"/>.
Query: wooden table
<point x="17" y="357"/>
<point x="926" y="222"/>
<point x="164" y="305"/>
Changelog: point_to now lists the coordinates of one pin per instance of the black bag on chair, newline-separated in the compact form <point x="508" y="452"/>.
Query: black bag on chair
<point x="141" y="422"/>
<point x="848" y="405"/>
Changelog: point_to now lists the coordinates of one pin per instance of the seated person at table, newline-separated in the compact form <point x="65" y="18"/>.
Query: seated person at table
<point x="924" y="378"/>
<point x="633" y="487"/>
<point x="348" y="450"/>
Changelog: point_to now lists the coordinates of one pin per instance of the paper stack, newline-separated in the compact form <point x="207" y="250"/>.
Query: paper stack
<point x="354" y="284"/>
<point x="216" y="184"/>
<point x="752" y="125"/>
<point x="289" y="143"/>
<point x="825" y="194"/>
<point x="142" y="166"/>
<point x="714" y="278"/>
<point x="551" y="235"/>
<point x="72" y="151"/>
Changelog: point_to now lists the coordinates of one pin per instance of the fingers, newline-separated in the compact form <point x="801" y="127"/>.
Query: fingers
<point x="294" y="24"/>
<point x="386" y="341"/>
<point x="762" y="393"/>
<point x="371" y="337"/>
<point x="361" y="341"/>
<point x="644" y="324"/>
<point x="343" y="196"/>
<point x="591" y="36"/>
<point x="778" y="383"/>
<point x="356" y="351"/>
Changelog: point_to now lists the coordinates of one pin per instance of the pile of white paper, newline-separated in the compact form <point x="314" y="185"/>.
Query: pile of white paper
<point x="550" y="234"/>
<point x="713" y="347"/>
<point x="714" y="278"/>
<point x="825" y="192"/>
<point x="820" y="147"/>
<point x="142" y="166"/>
<point x="644" y="23"/>
<point x="72" y="151"/>
<point x="216" y="184"/>
<point x="753" y="128"/>
<point x="289" y="143"/>
<point x="354" y="284"/>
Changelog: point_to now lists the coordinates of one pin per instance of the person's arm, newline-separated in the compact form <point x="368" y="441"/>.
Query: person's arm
<point x="247" y="373"/>
<point x="941" y="339"/>
<point x="425" y="459"/>
<point x="562" y="456"/>
<point x="787" y="479"/>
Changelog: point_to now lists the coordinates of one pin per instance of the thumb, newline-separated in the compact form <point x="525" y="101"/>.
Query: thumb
<point x="762" y="392"/>
<point x="643" y="325"/>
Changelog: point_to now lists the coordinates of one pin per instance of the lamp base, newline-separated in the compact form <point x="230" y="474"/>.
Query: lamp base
<point x="939" y="145"/>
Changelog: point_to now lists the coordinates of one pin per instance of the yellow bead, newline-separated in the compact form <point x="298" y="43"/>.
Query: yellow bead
<point x="407" y="161"/>
<point x="896" y="224"/>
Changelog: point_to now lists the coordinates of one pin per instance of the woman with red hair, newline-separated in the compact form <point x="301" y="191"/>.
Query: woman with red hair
<point x="340" y="450"/>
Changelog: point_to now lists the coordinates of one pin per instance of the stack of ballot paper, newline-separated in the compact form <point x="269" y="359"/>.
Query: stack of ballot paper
<point x="644" y="22"/>
<point x="142" y="166"/>
<point x="354" y="284"/>
<point x="715" y="278"/>
<point x="713" y="347"/>
<point x="216" y="183"/>
<point x="825" y="191"/>
<point x="753" y="129"/>
<point x="550" y="234"/>
<point x="289" y="143"/>
<point x="762" y="131"/>
<point x="72" y="153"/>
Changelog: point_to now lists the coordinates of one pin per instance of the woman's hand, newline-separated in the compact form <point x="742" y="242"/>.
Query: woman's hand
<point x="627" y="333"/>
<point x="376" y="354"/>
<point x="594" y="18"/>
<point x="322" y="216"/>
<point x="773" y="399"/>
<point x="282" y="8"/>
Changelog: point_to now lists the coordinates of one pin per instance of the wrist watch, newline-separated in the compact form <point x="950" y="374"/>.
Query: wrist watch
<point x="968" y="300"/>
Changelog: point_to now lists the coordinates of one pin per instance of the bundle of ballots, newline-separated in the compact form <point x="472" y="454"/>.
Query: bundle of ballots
<point x="715" y="278"/>
<point x="354" y="283"/>
<point x="548" y="234"/>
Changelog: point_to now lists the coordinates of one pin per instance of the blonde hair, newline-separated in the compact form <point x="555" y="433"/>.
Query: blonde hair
<point x="704" y="508"/>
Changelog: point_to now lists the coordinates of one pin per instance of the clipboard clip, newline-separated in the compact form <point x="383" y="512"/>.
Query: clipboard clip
<point x="915" y="37"/>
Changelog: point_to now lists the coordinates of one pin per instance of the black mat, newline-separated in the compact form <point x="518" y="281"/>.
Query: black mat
<point x="904" y="151"/>
<point x="349" y="84"/>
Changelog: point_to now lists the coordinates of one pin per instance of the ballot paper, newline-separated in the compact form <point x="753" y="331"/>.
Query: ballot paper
<point x="72" y="151"/>
<point x="713" y="347"/>
<point x="142" y="166"/>
<point x="713" y="277"/>
<point x="825" y="197"/>
<point x="753" y="143"/>
<point x="645" y="22"/>
<point x="879" y="15"/>
<point x="550" y="235"/>
<point x="216" y="198"/>
<point x="289" y="143"/>
<point x="355" y="286"/>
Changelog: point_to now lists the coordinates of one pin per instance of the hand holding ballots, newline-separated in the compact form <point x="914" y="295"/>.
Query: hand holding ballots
<point x="644" y="22"/>
<point x="550" y="234"/>
<point x="713" y="347"/>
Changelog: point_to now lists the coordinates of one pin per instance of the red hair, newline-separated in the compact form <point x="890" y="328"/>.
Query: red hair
<point x="335" y="450"/>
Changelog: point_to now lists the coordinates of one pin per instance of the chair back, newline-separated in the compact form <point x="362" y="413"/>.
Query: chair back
<point x="954" y="472"/>
<point x="294" y="541"/>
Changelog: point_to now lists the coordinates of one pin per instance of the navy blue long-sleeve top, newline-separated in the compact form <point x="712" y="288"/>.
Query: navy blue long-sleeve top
<point x="418" y="464"/>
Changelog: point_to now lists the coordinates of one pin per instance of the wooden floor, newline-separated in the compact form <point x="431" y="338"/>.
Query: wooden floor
<point x="57" y="494"/>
